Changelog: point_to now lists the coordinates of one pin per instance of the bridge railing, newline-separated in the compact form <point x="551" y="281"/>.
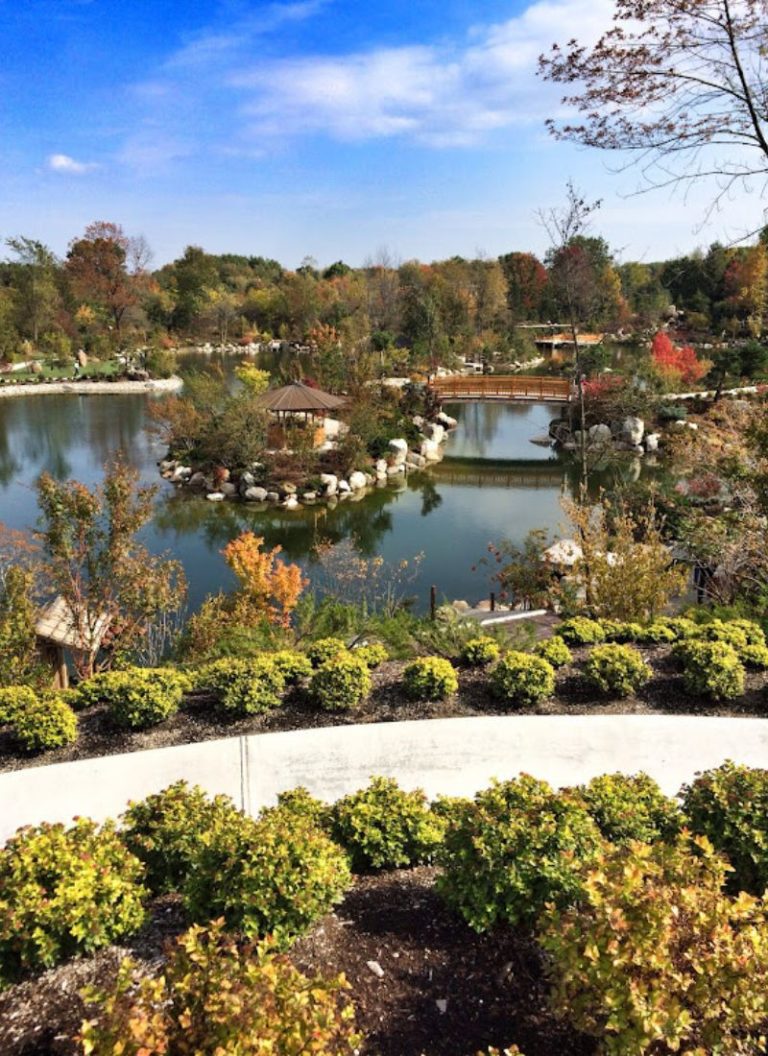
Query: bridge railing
<point x="500" y="386"/>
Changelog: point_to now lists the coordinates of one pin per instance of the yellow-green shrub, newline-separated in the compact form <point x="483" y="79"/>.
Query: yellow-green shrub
<point x="515" y="848"/>
<point x="621" y="631"/>
<point x="341" y="683"/>
<point x="522" y="680"/>
<point x="430" y="678"/>
<point x="44" y="723"/>
<point x="655" y="959"/>
<point x="616" y="669"/>
<point x="164" y="830"/>
<point x="658" y="632"/>
<point x="479" y="652"/>
<point x="710" y="669"/>
<point x="729" y="805"/>
<point x="213" y="997"/>
<point x="554" y="651"/>
<point x="580" y="630"/>
<point x="14" y="699"/>
<point x="136" y="697"/>
<point x="384" y="827"/>
<point x="243" y="687"/>
<point x="272" y="876"/>
<point x="372" y="654"/>
<point x="754" y="656"/>
<point x="325" y="649"/>
<point x="752" y="631"/>
<point x="722" y="631"/>
<point x="291" y="664"/>
<point x="630" y="807"/>
<point x="65" y="893"/>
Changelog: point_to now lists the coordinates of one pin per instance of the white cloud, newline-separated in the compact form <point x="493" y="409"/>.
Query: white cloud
<point x="68" y="166"/>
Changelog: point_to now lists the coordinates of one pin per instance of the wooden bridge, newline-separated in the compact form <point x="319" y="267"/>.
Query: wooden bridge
<point x="503" y="387"/>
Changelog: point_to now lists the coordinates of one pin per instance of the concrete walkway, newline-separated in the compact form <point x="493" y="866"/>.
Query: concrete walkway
<point x="91" y="388"/>
<point x="451" y="756"/>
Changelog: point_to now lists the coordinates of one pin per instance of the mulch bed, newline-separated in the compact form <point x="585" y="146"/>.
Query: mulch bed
<point x="198" y="720"/>
<point x="493" y="986"/>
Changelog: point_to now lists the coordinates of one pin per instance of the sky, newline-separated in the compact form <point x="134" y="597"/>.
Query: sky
<point x="320" y="128"/>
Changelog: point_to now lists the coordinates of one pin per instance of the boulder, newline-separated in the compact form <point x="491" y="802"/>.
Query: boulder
<point x="418" y="421"/>
<point x="430" y="450"/>
<point x="197" y="480"/>
<point x="228" y="489"/>
<point x="309" y="496"/>
<point x="82" y="358"/>
<point x="256" y="494"/>
<point x="652" y="441"/>
<point x="181" y="473"/>
<point x="381" y="474"/>
<point x="332" y="428"/>
<point x="247" y="480"/>
<point x="399" y="450"/>
<point x="381" y="466"/>
<point x="435" y="431"/>
<point x="600" y="434"/>
<point x="288" y="489"/>
<point x="344" y="487"/>
<point x="446" y="420"/>
<point x="215" y="496"/>
<point x="357" y="480"/>
<point x="632" y="430"/>
<point x="273" y="496"/>
<point x="393" y="471"/>
<point x="416" y="459"/>
<point x="291" y="503"/>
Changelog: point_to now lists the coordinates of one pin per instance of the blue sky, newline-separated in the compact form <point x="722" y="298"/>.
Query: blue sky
<point x="309" y="127"/>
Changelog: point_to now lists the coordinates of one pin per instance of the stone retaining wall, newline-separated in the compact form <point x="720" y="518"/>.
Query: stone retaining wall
<point x="451" y="756"/>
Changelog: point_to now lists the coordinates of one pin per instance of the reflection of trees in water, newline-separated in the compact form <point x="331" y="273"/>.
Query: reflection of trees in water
<point x="479" y="423"/>
<point x="117" y="426"/>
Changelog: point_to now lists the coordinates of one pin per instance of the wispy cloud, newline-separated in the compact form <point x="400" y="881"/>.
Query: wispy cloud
<point x="68" y="166"/>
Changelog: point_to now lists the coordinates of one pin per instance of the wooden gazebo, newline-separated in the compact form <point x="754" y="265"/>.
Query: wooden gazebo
<point x="298" y="400"/>
<point x="57" y="630"/>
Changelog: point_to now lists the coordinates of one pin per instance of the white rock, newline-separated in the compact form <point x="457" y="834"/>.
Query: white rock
<point x="273" y="496"/>
<point x="332" y="428"/>
<point x="417" y="459"/>
<point x="430" y="449"/>
<point x="181" y="473"/>
<point x="376" y="968"/>
<point x="652" y="441"/>
<point x="442" y="1005"/>
<point x="309" y="496"/>
<point x="247" y="479"/>
<point x="600" y="434"/>
<point x="380" y="475"/>
<point x="215" y="496"/>
<point x="435" y="431"/>
<point x="291" y="502"/>
<point x="418" y="421"/>
<point x="393" y="471"/>
<point x="344" y="487"/>
<point x="357" y="480"/>
<point x="632" y="430"/>
<point x="399" y="449"/>
<point x="446" y="420"/>
<point x="228" y="489"/>
<point x="693" y="426"/>
<point x="255" y="494"/>
<point x="381" y="466"/>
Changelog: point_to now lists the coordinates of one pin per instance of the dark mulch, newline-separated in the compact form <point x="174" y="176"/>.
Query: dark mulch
<point x="493" y="985"/>
<point x="198" y="721"/>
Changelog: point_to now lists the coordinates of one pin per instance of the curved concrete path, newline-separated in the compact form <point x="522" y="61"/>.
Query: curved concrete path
<point x="451" y="756"/>
<point x="92" y="388"/>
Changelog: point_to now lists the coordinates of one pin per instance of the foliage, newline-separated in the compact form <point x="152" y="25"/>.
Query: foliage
<point x="554" y="651"/>
<point x="479" y="652"/>
<point x="580" y="630"/>
<point x="384" y="827"/>
<point x="19" y="659"/>
<point x="42" y="723"/>
<point x="754" y="656"/>
<point x="243" y="687"/>
<point x="136" y="697"/>
<point x="616" y="669"/>
<point x="710" y="669"/>
<point x="720" y="631"/>
<point x="729" y="805"/>
<point x="430" y="678"/>
<point x="621" y="631"/>
<point x="626" y="570"/>
<point x="14" y="699"/>
<point x="514" y="849"/>
<point x="522" y="680"/>
<point x="90" y="556"/>
<point x="325" y="649"/>
<point x="273" y="876"/>
<point x="372" y="654"/>
<point x="253" y="378"/>
<point x="343" y="682"/>
<point x="301" y="802"/>
<point x="656" y="959"/>
<point x="269" y="588"/>
<point x="164" y="830"/>
<point x="213" y="997"/>
<point x="65" y="893"/>
<point x="657" y="632"/>
<point x="292" y="665"/>
<point x="630" y="807"/>
<point x="676" y="365"/>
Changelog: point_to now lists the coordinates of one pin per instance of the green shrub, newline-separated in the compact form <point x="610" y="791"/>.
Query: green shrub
<point x="292" y="665"/>
<point x="720" y="631"/>
<point x="656" y="633"/>
<point x="580" y="630"/>
<point x="522" y="680"/>
<point x="136" y="697"/>
<point x="372" y="654"/>
<point x="43" y="724"/>
<point x="325" y="649"/>
<point x="65" y="893"/>
<point x="729" y="805"/>
<point x="621" y="631"/>
<point x="384" y="827"/>
<point x="514" y="849"/>
<point x="754" y="656"/>
<point x="272" y="876"/>
<point x="616" y="669"/>
<point x="430" y="678"/>
<point x="341" y="683"/>
<point x="479" y="652"/>
<point x="164" y="830"/>
<point x="710" y="669"/>
<point x="682" y="626"/>
<point x="554" y="651"/>
<point x="301" y="802"/>
<point x="244" y="687"/>
<point x="630" y="808"/>
<point x="14" y="699"/>
<point x="656" y="960"/>
<point x="211" y="996"/>
<point x="752" y="631"/>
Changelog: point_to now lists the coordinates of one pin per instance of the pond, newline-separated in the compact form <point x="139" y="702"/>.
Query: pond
<point x="493" y="484"/>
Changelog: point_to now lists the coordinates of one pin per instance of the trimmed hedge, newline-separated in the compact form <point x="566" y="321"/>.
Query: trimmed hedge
<point x="44" y="723"/>
<point x="618" y="670"/>
<point x="479" y="652"/>
<point x="554" y="651"/>
<point x="243" y="687"/>
<point x="630" y="807"/>
<point x="430" y="678"/>
<point x="580" y="630"/>
<point x="710" y="669"/>
<point x="341" y="683"/>
<point x="325" y="649"/>
<point x="522" y="680"/>
<point x="136" y="697"/>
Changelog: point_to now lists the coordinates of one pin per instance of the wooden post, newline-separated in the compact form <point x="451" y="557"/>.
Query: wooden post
<point x="432" y="602"/>
<point x="493" y="602"/>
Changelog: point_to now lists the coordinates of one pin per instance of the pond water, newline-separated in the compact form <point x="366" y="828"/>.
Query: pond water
<point x="493" y="484"/>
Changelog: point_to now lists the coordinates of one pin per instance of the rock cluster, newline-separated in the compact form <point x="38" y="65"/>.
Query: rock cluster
<point x="627" y="434"/>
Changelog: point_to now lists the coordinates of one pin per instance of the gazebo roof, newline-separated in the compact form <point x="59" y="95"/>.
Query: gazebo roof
<point x="299" y="397"/>
<point x="56" y="624"/>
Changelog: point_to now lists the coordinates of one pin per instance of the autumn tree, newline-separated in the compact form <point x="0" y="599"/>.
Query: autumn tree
<point x="676" y="364"/>
<point x="90" y="556"/>
<point x="526" y="279"/>
<point x="97" y="267"/>
<point x="680" y="84"/>
<point x="37" y="291"/>
<point x="269" y="587"/>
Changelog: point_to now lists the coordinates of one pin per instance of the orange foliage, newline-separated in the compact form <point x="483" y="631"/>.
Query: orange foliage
<point x="676" y="362"/>
<point x="270" y="588"/>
